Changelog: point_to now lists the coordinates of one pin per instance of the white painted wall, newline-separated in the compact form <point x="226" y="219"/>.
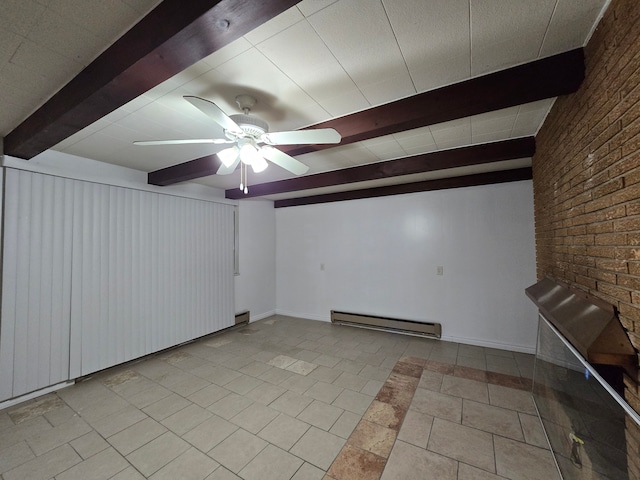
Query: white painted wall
<point x="255" y="287"/>
<point x="380" y="257"/>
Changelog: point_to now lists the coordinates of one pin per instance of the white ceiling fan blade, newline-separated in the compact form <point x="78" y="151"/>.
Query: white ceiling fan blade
<point x="227" y="170"/>
<point x="214" y="112"/>
<point x="216" y="141"/>
<point x="283" y="160"/>
<point x="300" y="137"/>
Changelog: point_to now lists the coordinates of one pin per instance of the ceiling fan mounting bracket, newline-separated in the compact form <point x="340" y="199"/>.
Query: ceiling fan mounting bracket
<point x="246" y="102"/>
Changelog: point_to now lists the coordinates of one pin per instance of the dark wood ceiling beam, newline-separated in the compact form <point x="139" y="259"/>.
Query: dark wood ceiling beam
<point x="489" y="178"/>
<point x="173" y="36"/>
<point x="546" y="78"/>
<point x="426" y="162"/>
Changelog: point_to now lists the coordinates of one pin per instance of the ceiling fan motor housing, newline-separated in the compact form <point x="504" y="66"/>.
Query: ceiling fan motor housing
<point x="250" y="125"/>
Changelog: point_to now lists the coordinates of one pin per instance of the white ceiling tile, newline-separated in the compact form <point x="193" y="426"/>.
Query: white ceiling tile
<point x="9" y="43"/>
<point x="389" y="88"/>
<point x="384" y="150"/>
<point x="420" y="149"/>
<point x="95" y="146"/>
<point x="227" y="52"/>
<point x="490" y="136"/>
<point x="453" y="133"/>
<point x="434" y="39"/>
<point x="571" y="23"/>
<point x="359" y="35"/>
<point x="528" y="123"/>
<point x="56" y="32"/>
<point x="309" y="7"/>
<point x="190" y="73"/>
<point x="501" y="120"/>
<point x="141" y="6"/>
<point x="544" y="105"/>
<point x="57" y="68"/>
<point x="422" y="138"/>
<point x="345" y="102"/>
<point x="274" y="26"/>
<point x="507" y="33"/>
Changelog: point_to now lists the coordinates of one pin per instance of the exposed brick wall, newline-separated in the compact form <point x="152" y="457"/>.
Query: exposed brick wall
<point x="586" y="177"/>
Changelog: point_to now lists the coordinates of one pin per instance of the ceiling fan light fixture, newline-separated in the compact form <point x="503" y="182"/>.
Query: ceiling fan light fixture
<point x="249" y="153"/>
<point x="228" y="156"/>
<point x="259" y="164"/>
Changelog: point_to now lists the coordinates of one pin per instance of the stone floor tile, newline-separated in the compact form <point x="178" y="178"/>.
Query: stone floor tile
<point x="265" y="393"/>
<point x="282" y="361"/>
<point x="89" y="444"/>
<point x="151" y="457"/>
<point x="291" y="403"/>
<point x="471" y="362"/>
<point x="255" y="368"/>
<point x="467" y="472"/>
<point x="408" y="462"/>
<point x="465" y="388"/>
<point x="327" y="360"/>
<point x="462" y="443"/>
<point x="301" y="367"/>
<point x="217" y="374"/>
<point x="222" y="473"/>
<point x="275" y="375"/>
<point x="492" y="419"/>
<point x="210" y="433"/>
<point x="470" y="373"/>
<point x="298" y="383"/>
<point x="133" y="437"/>
<point x="149" y="395"/>
<point x="237" y="450"/>
<point x="346" y="424"/>
<point x="128" y="473"/>
<point x="511" y="398"/>
<point x="243" y="384"/>
<point x="14" y="456"/>
<point x="320" y="414"/>
<point x="318" y="447"/>
<point x="118" y="421"/>
<point x="57" y="436"/>
<point x="472" y="351"/>
<point x="34" y="408"/>
<point x="325" y="374"/>
<point x="60" y="415"/>
<point x="325" y="392"/>
<point x="373" y="438"/>
<point x="191" y="465"/>
<point x="385" y="414"/>
<point x="307" y="355"/>
<point x="237" y="362"/>
<point x="186" y="419"/>
<point x="354" y="463"/>
<point x="349" y="366"/>
<point x="166" y="407"/>
<point x="372" y="387"/>
<point x="437" y="405"/>
<point x="431" y="380"/>
<point x="255" y="418"/>
<point x="272" y="463"/>
<point x="519" y="461"/>
<point x="92" y="400"/>
<point x="101" y="466"/>
<point x="208" y="395"/>
<point x="5" y="421"/>
<point x="230" y="405"/>
<point x="416" y="428"/>
<point x="284" y="431"/>
<point x="532" y="429"/>
<point x="353" y="401"/>
<point x="350" y="381"/>
<point x="308" y="472"/>
<point x="45" y="466"/>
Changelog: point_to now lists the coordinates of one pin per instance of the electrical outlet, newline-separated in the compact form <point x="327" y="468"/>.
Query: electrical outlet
<point x="439" y="270"/>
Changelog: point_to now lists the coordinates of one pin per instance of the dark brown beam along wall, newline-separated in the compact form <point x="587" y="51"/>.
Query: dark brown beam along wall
<point x="426" y="162"/>
<point x="173" y="36"/>
<point x="545" y="78"/>
<point x="428" y="185"/>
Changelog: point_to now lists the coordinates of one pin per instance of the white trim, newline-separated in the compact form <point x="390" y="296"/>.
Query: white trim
<point x="38" y="393"/>
<point x="485" y="343"/>
<point x="304" y="316"/>
<point x="261" y="316"/>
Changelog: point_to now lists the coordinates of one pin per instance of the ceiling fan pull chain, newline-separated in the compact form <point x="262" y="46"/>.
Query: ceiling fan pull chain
<point x="241" y="184"/>
<point x="246" y="181"/>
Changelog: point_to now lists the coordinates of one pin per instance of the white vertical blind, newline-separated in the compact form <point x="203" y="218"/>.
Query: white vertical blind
<point x="95" y="275"/>
<point x="34" y="345"/>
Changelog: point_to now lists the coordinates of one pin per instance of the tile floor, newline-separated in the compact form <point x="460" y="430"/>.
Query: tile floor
<point x="286" y="398"/>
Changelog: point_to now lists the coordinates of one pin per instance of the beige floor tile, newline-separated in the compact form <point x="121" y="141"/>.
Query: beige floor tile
<point x="519" y="400"/>
<point x="291" y="403"/>
<point x="325" y="374"/>
<point x="243" y="384"/>
<point x="325" y="392"/>
<point x="35" y="408"/>
<point x="151" y="457"/>
<point x="60" y="415"/>
<point x="318" y="447"/>
<point x="133" y="437"/>
<point x="437" y="405"/>
<point x="14" y="456"/>
<point x="307" y="355"/>
<point x="255" y="418"/>
<point x="186" y="419"/>
<point x="128" y="473"/>
<point x="89" y="444"/>
<point x="191" y="465"/>
<point x="118" y="421"/>
<point x="16" y="433"/>
<point x="462" y="443"/>
<point x="345" y="425"/>
<point x="431" y="380"/>
<point x="349" y="366"/>
<point x="353" y="401"/>
<point x="222" y="473"/>
<point x="298" y="383"/>
<point x="416" y="428"/>
<point x="271" y="463"/>
<point x="353" y="463"/>
<point x="149" y="395"/>
<point x="210" y="433"/>
<point x="208" y="395"/>
<point x="282" y="361"/>
<point x="166" y="407"/>
<point x="45" y="466"/>
<point x="5" y="421"/>
<point x="64" y="433"/>
<point x="467" y="472"/>
<point x="408" y="462"/>
<point x="217" y="374"/>
<point x="492" y="419"/>
<point x="308" y="472"/>
<point x="373" y="438"/>
<point x="284" y="431"/>
<point x="320" y="414"/>
<point x="471" y="362"/>
<point x="237" y="450"/>
<point x="101" y="466"/>
<point x="471" y="351"/>
<point x="327" y="360"/>
<point x="301" y="367"/>
<point x="465" y="388"/>
<point x="532" y="429"/>
<point x="275" y="375"/>
<point x="265" y="393"/>
<point x="92" y="400"/>
<point x="255" y="369"/>
<point x="385" y="414"/>
<point x="230" y="405"/>
<point x="519" y="461"/>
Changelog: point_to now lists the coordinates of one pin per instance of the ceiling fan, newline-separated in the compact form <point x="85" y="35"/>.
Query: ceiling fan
<point x="252" y="142"/>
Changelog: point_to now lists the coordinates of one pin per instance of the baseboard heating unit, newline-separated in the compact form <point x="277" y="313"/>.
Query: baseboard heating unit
<point x="407" y="327"/>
